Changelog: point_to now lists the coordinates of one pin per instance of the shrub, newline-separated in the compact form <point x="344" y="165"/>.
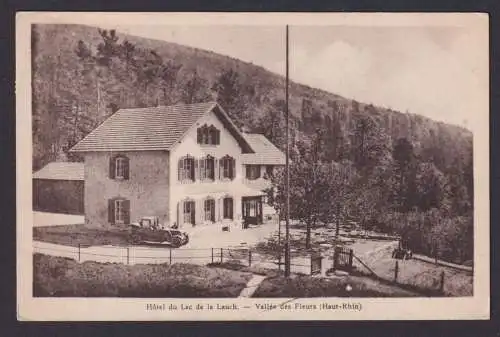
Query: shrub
<point x="62" y="277"/>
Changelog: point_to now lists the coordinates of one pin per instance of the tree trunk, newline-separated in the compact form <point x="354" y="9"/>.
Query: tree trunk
<point x="337" y="225"/>
<point x="308" y="235"/>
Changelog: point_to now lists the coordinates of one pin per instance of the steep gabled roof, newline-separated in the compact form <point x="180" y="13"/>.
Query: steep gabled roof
<point x="61" y="171"/>
<point x="155" y="128"/>
<point x="266" y="153"/>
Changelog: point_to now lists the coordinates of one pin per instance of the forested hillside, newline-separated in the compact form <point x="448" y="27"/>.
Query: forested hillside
<point x="82" y="75"/>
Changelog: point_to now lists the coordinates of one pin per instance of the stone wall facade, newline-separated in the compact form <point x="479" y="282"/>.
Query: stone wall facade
<point x="147" y="187"/>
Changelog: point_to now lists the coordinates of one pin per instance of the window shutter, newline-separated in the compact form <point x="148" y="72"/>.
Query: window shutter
<point x="216" y="167"/>
<point x="232" y="168"/>
<point x="258" y="172"/>
<point x="231" y="208"/>
<point x="181" y="168"/>
<point x="221" y="168"/>
<point x="199" y="136"/>
<point x="111" y="211"/>
<point x="248" y="171"/>
<point x="217" y="137"/>
<point x="126" y="165"/>
<point x="195" y="174"/>
<point x="112" y="168"/>
<point x="126" y="211"/>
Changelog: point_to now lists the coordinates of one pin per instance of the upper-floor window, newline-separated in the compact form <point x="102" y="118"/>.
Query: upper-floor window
<point x="253" y="172"/>
<point x="269" y="172"/>
<point x="186" y="168"/>
<point x="119" y="167"/>
<point x="208" y="135"/>
<point x="227" y="167"/>
<point x="207" y="168"/>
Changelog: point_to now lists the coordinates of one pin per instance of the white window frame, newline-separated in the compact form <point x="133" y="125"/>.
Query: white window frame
<point x="119" y="211"/>
<point x="208" y="208"/>
<point x="227" y="163"/>
<point x="205" y="168"/>
<point x="185" y="214"/>
<point x="187" y="169"/>
<point x="120" y="168"/>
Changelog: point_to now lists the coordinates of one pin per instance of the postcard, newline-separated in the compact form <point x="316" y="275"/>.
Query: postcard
<point x="252" y="166"/>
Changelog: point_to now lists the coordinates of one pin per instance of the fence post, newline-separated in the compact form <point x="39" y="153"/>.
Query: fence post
<point x="79" y="247"/>
<point x="396" y="270"/>
<point x="170" y="256"/>
<point x="336" y="256"/>
<point x="212" y="255"/>
<point x="441" y="282"/>
<point x="350" y="260"/>
<point x="249" y="258"/>
<point x="128" y="255"/>
<point x="221" y="255"/>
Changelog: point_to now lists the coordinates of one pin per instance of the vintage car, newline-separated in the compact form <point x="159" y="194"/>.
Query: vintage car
<point x="149" y="230"/>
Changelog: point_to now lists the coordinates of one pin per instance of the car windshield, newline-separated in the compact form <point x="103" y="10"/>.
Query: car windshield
<point x="174" y="232"/>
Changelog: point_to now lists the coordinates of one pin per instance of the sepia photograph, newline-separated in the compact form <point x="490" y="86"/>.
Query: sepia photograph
<point x="227" y="167"/>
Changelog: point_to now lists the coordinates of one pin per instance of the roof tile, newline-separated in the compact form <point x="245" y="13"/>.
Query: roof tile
<point x="155" y="128"/>
<point x="61" y="171"/>
<point x="266" y="153"/>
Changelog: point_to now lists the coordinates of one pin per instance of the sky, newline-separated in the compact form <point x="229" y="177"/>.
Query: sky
<point x="434" y="71"/>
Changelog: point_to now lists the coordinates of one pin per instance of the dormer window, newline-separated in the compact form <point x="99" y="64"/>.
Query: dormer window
<point x="119" y="167"/>
<point x="208" y="135"/>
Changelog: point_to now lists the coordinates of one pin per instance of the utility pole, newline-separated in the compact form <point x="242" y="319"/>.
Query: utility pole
<point x="287" y="169"/>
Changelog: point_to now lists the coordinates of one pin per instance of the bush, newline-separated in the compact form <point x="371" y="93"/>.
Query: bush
<point x="63" y="277"/>
<point x="434" y="232"/>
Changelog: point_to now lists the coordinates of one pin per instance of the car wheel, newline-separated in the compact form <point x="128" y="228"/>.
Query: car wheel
<point x="176" y="242"/>
<point x="135" y="239"/>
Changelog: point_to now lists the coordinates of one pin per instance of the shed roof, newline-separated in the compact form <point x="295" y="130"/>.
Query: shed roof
<point x="266" y="153"/>
<point x="154" y="128"/>
<point x="61" y="171"/>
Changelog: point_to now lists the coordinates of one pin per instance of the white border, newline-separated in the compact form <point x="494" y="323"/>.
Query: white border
<point x="115" y="309"/>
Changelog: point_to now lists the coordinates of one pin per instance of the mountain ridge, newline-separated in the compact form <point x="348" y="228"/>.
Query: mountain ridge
<point x="54" y="51"/>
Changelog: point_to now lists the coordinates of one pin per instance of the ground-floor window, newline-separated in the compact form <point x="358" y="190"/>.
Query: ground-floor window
<point x="251" y="207"/>
<point x="228" y="208"/>
<point x="119" y="211"/>
<point x="189" y="212"/>
<point x="209" y="208"/>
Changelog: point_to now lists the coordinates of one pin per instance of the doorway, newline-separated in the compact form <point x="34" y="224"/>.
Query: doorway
<point x="251" y="210"/>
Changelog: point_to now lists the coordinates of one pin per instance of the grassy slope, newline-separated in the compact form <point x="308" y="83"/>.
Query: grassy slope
<point x="62" y="277"/>
<point x="416" y="273"/>
<point x="74" y="235"/>
<point x="306" y="286"/>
